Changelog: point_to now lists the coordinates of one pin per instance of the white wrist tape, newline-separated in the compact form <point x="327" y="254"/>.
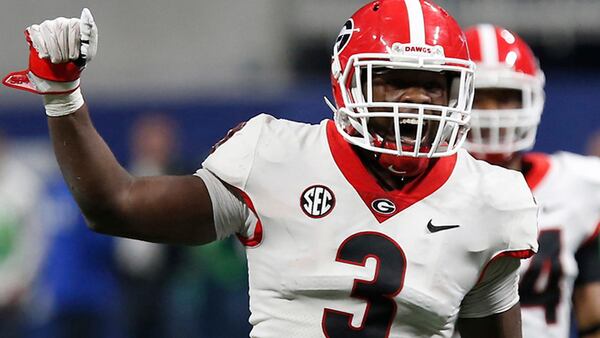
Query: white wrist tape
<point x="63" y="104"/>
<point x="44" y="86"/>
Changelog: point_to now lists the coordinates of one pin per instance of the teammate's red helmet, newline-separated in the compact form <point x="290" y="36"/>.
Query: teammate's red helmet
<point x="409" y="35"/>
<point x="504" y="61"/>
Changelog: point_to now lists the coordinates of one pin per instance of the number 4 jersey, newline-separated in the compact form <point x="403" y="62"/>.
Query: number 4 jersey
<point x="332" y="254"/>
<point x="567" y="188"/>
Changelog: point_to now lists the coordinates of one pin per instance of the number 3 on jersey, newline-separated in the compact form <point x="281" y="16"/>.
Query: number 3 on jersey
<point x="379" y="293"/>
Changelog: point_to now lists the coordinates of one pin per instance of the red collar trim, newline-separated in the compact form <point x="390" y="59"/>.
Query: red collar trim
<point x="540" y="165"/>
<point x="369" y="189"/>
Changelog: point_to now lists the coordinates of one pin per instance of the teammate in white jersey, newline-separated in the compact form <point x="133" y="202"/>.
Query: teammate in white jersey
<point x="509" y="99"/>
<point x="373" y="225"/>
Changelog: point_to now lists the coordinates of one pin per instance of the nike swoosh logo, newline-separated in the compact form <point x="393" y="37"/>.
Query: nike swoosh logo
<point x="435" y="228"/>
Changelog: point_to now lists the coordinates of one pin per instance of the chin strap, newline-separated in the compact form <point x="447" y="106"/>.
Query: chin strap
<point x="402" y="166"/>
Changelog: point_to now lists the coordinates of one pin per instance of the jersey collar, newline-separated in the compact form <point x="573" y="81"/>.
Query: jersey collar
<point x="539" y="166"/>
<point x="368" y="188"/>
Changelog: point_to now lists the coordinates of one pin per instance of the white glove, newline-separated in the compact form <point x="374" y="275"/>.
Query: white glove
<point x="59" y="50"/>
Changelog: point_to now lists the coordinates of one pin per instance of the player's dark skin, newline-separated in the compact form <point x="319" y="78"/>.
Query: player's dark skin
<point x="586" y="304"/>
<point x="586" y="297"/>
<point x="177" y="209"/>
<point x="408" y="86"/>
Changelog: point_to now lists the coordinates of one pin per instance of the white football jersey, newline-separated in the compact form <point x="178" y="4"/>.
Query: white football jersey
<point x="332" y="254"/>
<point x="567" y="188"/>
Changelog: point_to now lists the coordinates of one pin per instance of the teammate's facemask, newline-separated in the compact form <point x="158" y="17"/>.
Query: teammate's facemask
<point x="505" y="64"/>
<point x="395" y="36"/>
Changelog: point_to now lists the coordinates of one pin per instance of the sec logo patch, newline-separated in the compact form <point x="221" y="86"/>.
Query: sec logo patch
<point x="317" y="201"/>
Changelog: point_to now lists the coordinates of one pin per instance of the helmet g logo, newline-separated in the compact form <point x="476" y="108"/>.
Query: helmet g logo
<point x="344" y="36"/>
<point x="317" y="201"/>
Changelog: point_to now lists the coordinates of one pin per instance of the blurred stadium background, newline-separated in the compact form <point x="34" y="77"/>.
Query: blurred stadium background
<point x="206" y="66"/>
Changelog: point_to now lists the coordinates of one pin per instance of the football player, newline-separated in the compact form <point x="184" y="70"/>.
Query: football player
<point x="373" y="224"/>
<point x="509" y="99"/>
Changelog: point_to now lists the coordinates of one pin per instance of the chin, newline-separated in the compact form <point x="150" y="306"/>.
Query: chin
<point x="405" y="166"/>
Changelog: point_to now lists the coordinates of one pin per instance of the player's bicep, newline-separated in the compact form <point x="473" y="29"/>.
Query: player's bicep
<point x="165" y="209"/>
<point x="506" y="324"/>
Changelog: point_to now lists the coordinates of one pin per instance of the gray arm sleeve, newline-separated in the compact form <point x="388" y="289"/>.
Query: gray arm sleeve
<point x="496" y="292"/>
<point x="229" y="210"/>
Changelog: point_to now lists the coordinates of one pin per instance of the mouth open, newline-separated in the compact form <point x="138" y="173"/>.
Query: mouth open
<point x="384" y="130"/>
<point x="408" y="132"/>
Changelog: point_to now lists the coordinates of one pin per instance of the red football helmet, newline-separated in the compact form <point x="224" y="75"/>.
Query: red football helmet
<point x="404" y="35"/>
<point x="504" y="61"/>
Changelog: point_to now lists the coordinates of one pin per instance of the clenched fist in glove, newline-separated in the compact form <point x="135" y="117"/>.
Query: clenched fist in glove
<point x="59" y="50"/>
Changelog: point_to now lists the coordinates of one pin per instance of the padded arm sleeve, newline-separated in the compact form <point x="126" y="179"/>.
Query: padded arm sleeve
<point x="496" y="292"/>
<point x="230" y="212"/>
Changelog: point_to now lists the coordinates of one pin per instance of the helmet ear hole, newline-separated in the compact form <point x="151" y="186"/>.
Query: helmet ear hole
<point x="376" y="7"/>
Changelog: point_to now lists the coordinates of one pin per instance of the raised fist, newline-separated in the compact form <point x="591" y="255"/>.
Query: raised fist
<point x="59" y="50"/>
